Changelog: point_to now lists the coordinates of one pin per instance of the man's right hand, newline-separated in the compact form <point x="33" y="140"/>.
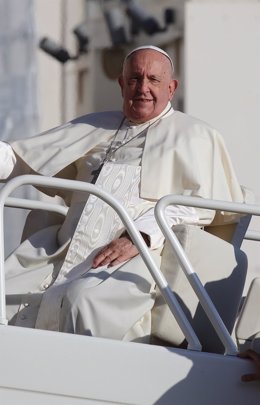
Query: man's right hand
<point x="117" y="251"/>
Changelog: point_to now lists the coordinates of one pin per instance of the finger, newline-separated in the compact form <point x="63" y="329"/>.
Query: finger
<point x="100" y="257"/>
<point x="118" y="260"/>
<point x="108" y="260"/>
<point x="249" y="377"/>
<point x="124" y="257"/>
<point x="243" y="355"/>
<point x="250" y="354"/>
<point x="108" y="257"/>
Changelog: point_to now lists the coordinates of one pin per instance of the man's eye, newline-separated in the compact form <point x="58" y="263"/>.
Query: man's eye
<point x="132" y="80"/>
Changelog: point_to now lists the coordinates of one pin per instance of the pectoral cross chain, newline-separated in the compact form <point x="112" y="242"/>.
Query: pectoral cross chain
<point x="96" y="173"/>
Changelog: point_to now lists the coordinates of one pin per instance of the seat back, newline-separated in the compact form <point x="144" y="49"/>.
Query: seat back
<point x="39" y="219"/>
<point x="221" y="267"/>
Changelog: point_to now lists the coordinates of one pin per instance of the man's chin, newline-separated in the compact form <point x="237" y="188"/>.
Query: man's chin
<point x="142" y="115"/>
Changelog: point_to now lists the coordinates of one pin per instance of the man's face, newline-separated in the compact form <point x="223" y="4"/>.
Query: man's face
<point x="146" y="84"/>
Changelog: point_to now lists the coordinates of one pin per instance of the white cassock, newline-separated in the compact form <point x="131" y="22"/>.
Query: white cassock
<point x="50" y="281"/>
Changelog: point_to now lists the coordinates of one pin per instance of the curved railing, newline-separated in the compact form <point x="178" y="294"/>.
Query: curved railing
<point x="16" y="202"/>
<point x="11" y="185"/>
<point x="169" y="297"/>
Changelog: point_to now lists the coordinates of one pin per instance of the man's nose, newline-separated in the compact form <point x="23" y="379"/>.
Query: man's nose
<point x="143" y="85"/>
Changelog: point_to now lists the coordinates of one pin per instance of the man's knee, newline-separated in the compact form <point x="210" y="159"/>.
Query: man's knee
<point x="74" y="293"/>
<point x="75" y="309"/>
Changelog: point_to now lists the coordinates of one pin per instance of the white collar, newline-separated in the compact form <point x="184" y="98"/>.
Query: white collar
<point x="165" y="113"/>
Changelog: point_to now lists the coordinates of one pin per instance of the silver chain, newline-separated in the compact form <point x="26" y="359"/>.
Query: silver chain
<point x="111" y="151"/>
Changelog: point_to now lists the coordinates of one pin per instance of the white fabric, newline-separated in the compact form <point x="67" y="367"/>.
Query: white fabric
<point x="131" y="154"/>
<point x="145" y="223"/>
<point x="98" y="225"/>
<point x="114" y="303"/>
<point x="175" y="215"/>
<point x="7" y="160"/>
<point x="174" y="146"/>
<point x="167" y="151"/>
<point x="74" y="266"/>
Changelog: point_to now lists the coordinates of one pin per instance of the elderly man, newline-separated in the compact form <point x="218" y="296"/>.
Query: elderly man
<point x="85" y="275"/>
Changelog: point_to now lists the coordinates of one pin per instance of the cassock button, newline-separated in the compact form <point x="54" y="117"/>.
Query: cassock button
<point x="26" y="304"/>
<point x="46" y="286"/>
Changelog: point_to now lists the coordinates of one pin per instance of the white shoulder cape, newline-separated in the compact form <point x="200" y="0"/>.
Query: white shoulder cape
<point x="182" y="154"/>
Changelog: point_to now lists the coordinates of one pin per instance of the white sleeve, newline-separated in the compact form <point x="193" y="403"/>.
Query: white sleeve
<point x="175" y="214"/>
<point x="7" y="160"/>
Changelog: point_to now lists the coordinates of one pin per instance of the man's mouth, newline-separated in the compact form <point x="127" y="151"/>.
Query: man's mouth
<point x="143" y="100"/>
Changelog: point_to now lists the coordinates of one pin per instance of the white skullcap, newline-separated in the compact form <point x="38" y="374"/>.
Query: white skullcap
<point x="154" y="48"/>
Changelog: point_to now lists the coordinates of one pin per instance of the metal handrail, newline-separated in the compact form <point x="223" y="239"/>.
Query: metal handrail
<point x="205" y="300"/>
<point x="252" y="235"/>
<point x="169" y="297"/>
<point x="16" y="202"/>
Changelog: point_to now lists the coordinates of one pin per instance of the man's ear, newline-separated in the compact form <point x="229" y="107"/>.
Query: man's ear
<point x="121" y="83"/>
<point x="172" y="87"/>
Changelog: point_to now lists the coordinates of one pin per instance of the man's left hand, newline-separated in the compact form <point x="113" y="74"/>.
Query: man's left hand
<point x="251" y="354"/>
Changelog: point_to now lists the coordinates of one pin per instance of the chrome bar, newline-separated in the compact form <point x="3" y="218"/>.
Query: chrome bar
<point x="252" y="235"/>
<point x="16" y="202"/>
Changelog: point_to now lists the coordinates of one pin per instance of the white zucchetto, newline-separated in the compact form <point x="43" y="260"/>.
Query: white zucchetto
<point x="154" y="48"/>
